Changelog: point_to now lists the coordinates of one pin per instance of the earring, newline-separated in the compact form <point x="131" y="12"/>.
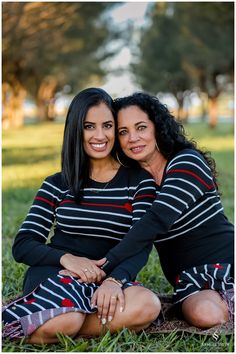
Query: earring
<point x="157" y="147"/>
<point x="118" y="159"/>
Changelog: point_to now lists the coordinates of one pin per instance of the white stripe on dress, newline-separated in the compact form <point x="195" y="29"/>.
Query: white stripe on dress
<point x="193" y="164"/>
<point x="180" y="189"/>
<point x="53" y="187"/>
<point x="192" y="228"/>
<point x="186" y="287"/>
<point x="42" y="208"/>
<point x="196" y="217"/>
<point x="193" y="280"/>
<point x="37" y="232"/>
<point x="13" y="314"/>
<point x="62" y="288"/>
<point x="185" y="181"/>
<point x="211" y="278"/>
<point x="95" y="212"/>
<point x="192" y="155"/>
<point x="23" y="308"/>
<point x="46" y="300"/>
<point x="89" y="219"/>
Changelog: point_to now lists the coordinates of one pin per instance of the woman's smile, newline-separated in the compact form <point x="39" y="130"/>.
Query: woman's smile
<point x="137" y="149"/>
<point x="99" y="147"/>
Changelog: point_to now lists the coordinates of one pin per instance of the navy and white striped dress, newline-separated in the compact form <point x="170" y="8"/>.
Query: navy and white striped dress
<point x="56" y="225"/>
<point x="188" y="227"/>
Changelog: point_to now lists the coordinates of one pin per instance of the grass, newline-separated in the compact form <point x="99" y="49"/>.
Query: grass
<point x="32" y="153"/>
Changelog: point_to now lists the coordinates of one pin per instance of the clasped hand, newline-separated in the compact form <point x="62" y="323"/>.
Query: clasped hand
<point x="87" y="270"/>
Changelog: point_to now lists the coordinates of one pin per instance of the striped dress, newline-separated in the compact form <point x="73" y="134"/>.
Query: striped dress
<point x="56" y="225"/>
<point x="186" y="223"/>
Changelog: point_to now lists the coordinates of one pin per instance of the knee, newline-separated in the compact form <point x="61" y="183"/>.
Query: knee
<point x="147" y="307"/>
<point x="204" y="314"/>
<point x="69" y="326"/>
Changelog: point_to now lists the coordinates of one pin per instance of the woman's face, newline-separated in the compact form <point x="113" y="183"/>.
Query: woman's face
<point x="99" y="132"/>
<point x="136" y="134"/>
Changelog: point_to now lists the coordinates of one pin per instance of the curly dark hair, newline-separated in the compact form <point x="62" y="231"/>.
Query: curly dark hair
<point x="170" y="134"/>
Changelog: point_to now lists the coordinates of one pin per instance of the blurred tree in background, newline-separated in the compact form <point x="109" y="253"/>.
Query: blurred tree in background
<point x="187" y="45"/>
<point x="45" y="46"/>
<point x="50" y="48"/>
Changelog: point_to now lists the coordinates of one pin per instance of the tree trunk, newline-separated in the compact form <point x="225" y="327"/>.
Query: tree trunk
<point x="45" y="99"/>
<point x="180" y="110"/>
<point x="213" y="114"/>
<point x="204" y="99"/>
<point x="13" y="105"/>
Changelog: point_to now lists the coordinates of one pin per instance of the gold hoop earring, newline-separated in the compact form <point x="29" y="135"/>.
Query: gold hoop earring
<point x="157" y="147"/>
<point x="118" y="159"/>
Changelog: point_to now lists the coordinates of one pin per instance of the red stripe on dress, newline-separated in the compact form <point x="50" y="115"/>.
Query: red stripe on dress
<point x="126" y="206"/>
<point x="145" y="195"/>
<point x="45" y="200"/>
<point x="196" y="176"/>
<point x="217" y="266"/>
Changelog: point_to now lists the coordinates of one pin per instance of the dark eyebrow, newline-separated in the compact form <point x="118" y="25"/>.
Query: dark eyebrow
<point x="87" y="122"/>
<point x="136" y="124"/>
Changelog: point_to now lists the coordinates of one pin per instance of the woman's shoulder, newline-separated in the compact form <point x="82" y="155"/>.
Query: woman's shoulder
<point x="188" y="154"/>
<point x="138" y="174"/>
<point x="56" y="181"/>
<point x="190" y="158"/>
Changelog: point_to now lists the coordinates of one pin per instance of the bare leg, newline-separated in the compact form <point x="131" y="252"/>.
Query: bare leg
<point x="142" y="307"/>
<point x="69" y="324"/>
<point x="205" y="309"/>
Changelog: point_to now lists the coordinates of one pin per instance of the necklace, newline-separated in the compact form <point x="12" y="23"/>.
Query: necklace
<point x="97" y="191"/>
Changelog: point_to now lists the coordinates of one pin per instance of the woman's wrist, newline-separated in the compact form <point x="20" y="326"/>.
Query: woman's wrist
<point x="116" y="281"/>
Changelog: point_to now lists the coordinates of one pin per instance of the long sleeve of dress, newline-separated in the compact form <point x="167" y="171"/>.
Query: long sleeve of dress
<point x="30" y="243"/>
<point x="187" y="179"/>
<point x="143" y="198"/>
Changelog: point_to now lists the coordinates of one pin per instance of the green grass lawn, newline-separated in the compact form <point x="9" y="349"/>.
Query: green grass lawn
<point x="32" y="153"/>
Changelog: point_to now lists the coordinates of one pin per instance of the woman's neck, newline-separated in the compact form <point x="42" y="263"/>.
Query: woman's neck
<point x="155" y="166"/>
<point x="103" y="170"/>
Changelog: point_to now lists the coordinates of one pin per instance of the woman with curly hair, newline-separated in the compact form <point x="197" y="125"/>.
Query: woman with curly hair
<point x="186" y="222"/>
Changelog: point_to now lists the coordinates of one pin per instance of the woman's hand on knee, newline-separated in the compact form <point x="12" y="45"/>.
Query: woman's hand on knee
<point x="85" y="269"/>
<point x="106" y="298"/>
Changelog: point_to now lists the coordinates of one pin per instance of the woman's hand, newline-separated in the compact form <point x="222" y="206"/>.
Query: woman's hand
<point x="85" y="269"/>
<point x="106" y="298"/>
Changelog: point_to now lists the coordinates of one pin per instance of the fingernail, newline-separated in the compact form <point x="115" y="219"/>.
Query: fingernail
<point x="92" y="306"/>
<point x="99" y="317"/>
<point x="104" y="321"/>
<point x="121" y="309"/>
<point x="109" y="318"/>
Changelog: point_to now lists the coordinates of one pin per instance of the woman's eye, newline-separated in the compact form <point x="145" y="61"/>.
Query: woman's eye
<point x="122" y="132"/>
<point x="88" y="126"/>
<point x="108" y="125"/>
<point x="142" y="127"/>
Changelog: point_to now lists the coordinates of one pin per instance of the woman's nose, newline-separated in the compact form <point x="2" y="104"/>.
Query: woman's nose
<point x="99" y="133"/>
<point x="133" y="136"/>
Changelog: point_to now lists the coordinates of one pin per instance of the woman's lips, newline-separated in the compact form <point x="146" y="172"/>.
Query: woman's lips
<point x="99" y="147"/>
<point x="137" y="149"/>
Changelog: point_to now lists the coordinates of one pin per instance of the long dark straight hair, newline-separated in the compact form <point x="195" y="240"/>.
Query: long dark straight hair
<point x="75" y="163"/>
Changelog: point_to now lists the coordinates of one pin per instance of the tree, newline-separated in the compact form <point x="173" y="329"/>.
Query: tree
<point x="47" y="45"/>
<point x="161" y="66"/>
<point x="186" y="45"/>
<point x="209" y="47"/>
